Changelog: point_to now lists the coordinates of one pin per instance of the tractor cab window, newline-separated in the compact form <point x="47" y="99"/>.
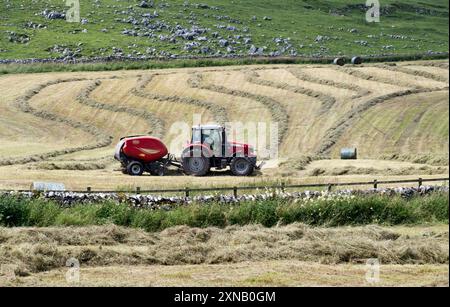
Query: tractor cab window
<point x="196" y="136"/>
<point x="213" y="139"/>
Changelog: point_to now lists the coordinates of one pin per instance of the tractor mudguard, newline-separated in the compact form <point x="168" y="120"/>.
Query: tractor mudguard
<point x="193" y="149"/>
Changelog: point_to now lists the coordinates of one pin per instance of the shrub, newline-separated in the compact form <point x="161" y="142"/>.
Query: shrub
<point x="42" y="213"/>
<point x="179" y="216"/>
<point x="216" y="216"/>
<point x="241" y="214"/>
<point x="265" y="213"/>
<point x="149" y="220"/>
<point x="432" y="207"/>
<point x="13" y="211"/>
<point x="110" y="212"/>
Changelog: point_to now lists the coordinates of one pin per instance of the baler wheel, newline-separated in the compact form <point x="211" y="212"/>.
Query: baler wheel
<point x="135" y="168"/>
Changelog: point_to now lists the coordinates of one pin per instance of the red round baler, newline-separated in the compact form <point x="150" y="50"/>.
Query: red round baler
<point x="146" y="149"/>
<point x="142" y="153"/>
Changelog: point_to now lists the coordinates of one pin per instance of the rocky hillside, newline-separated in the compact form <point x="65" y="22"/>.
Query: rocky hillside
<point x="178" y="28"/>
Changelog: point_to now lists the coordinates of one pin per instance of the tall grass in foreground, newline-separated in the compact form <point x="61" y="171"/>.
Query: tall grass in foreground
<point x="385" y="210"/>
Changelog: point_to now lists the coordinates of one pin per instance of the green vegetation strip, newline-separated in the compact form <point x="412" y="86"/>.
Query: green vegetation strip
<point x="185" y="63"/>
<point x="336" y="211"/>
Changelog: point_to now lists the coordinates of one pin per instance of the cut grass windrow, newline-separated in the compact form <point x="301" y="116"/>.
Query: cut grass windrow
<point x="23" y="104"/>
<point x="219" y="113"/>
<point x="277" y="110"/>
<point x="303" y="76"/>
<point x="34" y="250"/>
<point x="74" y="166"/>
<point x="326" y="100"/>
<point x="415" y="73"/>
<point x="356" y="72"/>
<point x="433" y="64"/>
<point x="333" y="134"/>
<point x="156" y="124"/>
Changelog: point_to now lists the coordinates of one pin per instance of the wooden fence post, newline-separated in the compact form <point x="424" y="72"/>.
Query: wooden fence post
<point x="283" y="187"/>
<point x="235" y="192"/>
<point x="89" y="189"/>
<point x="138" y="190"/>
<point x="420" y="182"/>
<point x="375" y="184"/>
<point x="329" y="188"/>
<point x="186" y="191"/>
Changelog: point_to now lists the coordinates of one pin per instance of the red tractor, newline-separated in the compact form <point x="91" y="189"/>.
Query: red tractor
<point x="209" y="148"/>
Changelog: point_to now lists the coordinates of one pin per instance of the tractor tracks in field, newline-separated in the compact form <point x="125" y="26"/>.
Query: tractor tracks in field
<point x="154" y="122"/>
<point x="23" y="104"/>
<point x="277" y="110"/>
<point x="333" y="134"/>
<point x="219" y="113"/>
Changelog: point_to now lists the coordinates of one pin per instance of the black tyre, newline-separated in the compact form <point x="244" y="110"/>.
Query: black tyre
<point x="158" y="171"/>
<point x="135" y="168"/>
<point x="196" y="166"/>
<point x="241" y="167"/>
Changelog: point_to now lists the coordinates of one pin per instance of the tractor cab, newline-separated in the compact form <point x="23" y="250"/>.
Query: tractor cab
<point x="212" y="137"/>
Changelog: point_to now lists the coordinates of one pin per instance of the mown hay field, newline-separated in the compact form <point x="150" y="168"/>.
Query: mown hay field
<point x="293" y="255"/>
<point x="62" y="127"/>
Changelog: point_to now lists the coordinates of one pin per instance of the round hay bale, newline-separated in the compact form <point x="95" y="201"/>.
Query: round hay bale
<point x="339" y="61"/>
<point x="349" y="154"/>
<point x="357" y="60"/>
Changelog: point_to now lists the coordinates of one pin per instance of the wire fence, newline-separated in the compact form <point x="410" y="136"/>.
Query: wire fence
<point x="281" y="187"/>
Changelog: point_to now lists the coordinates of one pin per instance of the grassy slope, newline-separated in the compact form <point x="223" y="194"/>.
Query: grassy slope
<point x="301" y="21"/>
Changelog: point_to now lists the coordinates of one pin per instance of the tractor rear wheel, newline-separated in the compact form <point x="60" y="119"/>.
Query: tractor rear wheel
<point x="241" y="167"/>
<point x="135" y="168"/>
<point x="196" y="166"/>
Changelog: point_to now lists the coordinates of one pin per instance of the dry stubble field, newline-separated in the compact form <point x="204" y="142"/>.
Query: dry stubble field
<point x="62" y="127"/>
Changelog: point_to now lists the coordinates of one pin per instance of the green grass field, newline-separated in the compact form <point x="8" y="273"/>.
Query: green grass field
<point x="332" y="211"/>
<point x="406" y="27"/>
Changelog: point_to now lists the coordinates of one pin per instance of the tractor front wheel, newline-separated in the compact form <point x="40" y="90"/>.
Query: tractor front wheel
<point x="196" y="166"/>
<point x="135" y="168"/>
<point x="241" y="167"/>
